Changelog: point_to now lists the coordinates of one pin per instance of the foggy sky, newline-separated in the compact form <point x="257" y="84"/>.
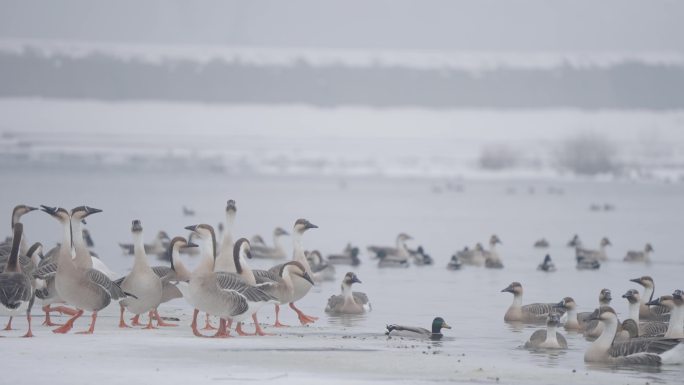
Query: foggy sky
<point x="472" y="25"/>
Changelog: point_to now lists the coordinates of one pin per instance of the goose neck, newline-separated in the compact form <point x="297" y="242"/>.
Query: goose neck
<point x="675" y="328"/>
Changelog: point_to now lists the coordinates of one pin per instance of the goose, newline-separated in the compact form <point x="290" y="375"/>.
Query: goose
<point x="277" y="281"/>
<point x="322" y="271"/>
<point x="142" y="281"/>
<point x="388" y="261"/>
<point x="454" y="263"/>
<point x="541" y="243"/>
<point x="45" y="285"/>
<point x="420" y="257"/>
<point x="192" y="251"/>
<point x="639" y="256"/>
<point x="573" y="321"/>
<point x="637" y="351"/>
<point x="645" y="329"/>
<point x="653" y="313"/>
<point x="575" y="242"/>
<point x="16" y="290"/>
<point x="400" y="251"/>
<point x="349" y="302"/>
<point x="587" y="263"/>
<point x="548" y="338"/>
<point x="547" y="265"/>
<point x="417" y="332"/>
<point x="223" y="294"/>
<point x="6" y="247"/>
<point x="349" y="256"/>
<point x="224" y="260"/>
<point x="675" y="328"/>
<point x="473" y="257"/>
<point x="158" y="247"/>
<point x="82" y="288"/>
<point x="596" y="255"/>
<point x="492" y="259"/>
<point x="168" y="274"/>
<point x="593" y="329"/>
<point x="260" y="250"/>
<point x="301" y="286"/>
<point x="532" y="313"/>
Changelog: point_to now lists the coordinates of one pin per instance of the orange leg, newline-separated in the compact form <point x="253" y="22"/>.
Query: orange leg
<point x="91" y="329"/>
<point x="194" y="324"/>
<point x="150" y="315"/>
<point x="222" y="330"/>
<point x="9" y="324"/>
<point x="239" y="331"/>
<point x="28" y="319"/>
<point x="69" y="324"/>
<point x="277" y="323"/>
<point x="135" y="321"/>
<point x="259" y="331"/>
<point x="303" y="318"/>
<point x="207" y="324"/>
<point x="122" y="323"/>
<point x="160" y="321"/>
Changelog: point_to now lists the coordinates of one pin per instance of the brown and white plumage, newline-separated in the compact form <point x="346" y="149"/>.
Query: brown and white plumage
<point x="531" y="313"/>
<point x="349" y="302"/>
<point x="653" y="313"/>
<point x="639" y="256"/>
<point x="16" y="289"/>
<point x="548" y="338"/>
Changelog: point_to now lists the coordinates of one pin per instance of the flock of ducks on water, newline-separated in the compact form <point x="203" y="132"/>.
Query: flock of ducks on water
<point x="70" y="279"/>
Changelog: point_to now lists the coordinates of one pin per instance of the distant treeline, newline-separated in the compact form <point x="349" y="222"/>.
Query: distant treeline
<point x="628" y="85"/>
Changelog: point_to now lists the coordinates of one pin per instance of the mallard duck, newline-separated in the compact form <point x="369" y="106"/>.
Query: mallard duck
<point x="417" y="332"/>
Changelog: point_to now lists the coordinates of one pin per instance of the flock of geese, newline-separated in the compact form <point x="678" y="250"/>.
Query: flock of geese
<point x="72" y="280"/>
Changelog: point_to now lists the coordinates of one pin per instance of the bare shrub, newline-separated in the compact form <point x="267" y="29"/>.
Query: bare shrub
<point x="587" y="154"/>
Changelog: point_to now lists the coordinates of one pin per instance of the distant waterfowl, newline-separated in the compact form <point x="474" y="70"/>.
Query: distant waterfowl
<point x="141" y="281"/>
<point x="188" y="212"/>
<point x="640" y="256"/>
<point x="653" y="313"/>
<point x="399" y="252"/>
<point x="261" y="250"/>
<point x="473" y="257"/>
<point x="596" y="255"/>
<point x="277" y="282"/>
<point x="548" y="338"/>
<point x="675" y="327"/>
<point x="322" y="271"/>
<point x="492" y="259"/>
<point x="420" y="257"/>
<point x="158" y="247"/>
<point x="349" y="302"/>
<point x="575" y="241"/>
<point x="417" y="332"/>
<point x="541" y="243"/>
<point x="532" y="313"/>
<point x="547" y="265"/>
<point x="637" y="351"/>
<point x="349" y="256"/>
<point x="573" y="321"/>
<point x="83" y="288"/>
<point x="16" y="289"/>
<point x="386" y="261"/>
<point x="587" y="264"/>
<point x="454" y="263"/>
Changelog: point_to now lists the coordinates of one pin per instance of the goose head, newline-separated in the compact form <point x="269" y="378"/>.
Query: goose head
<point x="604" y="314"/>
<point x="663" y="300"/>
<point x="59" y="213"/>
<point x="206" y="233"/>
<point x="35" y="250"/>
<point x="314" y="257"/>
<point x="605" y="296"/>
<point x="403" y="237"/>
<point x="301" y="225"/>
<point x="82" y="212"/>
<point x="258" y="240"/>
<point x="645" y="281"/>
<point x="494" y="239"/>
<point x="515" y="288"/>
<point x="438" y="324"/>
<point x="20" y="210"/>
<point x="553" y="319"/>
<point x="478" y="247"/>
<point x="632" y="296"/>
<point x="279" y="232"/>
<point x="648" y="248"/>
<point x="547" y="259"/>
<point x="136" y="226"/>
<point x="678" y="297"/>
<point x="605" y="242"/>
<point x="575" y="241"/>
<point x="566" y="303"/>
<point x="231" y="211"/>
<point x="350" y="278"/>
<point x="299" y="270"/>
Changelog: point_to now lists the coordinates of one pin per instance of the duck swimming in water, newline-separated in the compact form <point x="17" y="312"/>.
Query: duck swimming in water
<point x="417" y="332"/>
<point x="548" y="338"/>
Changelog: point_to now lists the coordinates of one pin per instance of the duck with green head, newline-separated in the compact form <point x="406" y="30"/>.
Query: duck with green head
<point x="417" y="332"/>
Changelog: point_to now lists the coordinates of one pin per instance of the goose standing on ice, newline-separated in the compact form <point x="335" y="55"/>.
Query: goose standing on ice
<point x="417" y="332"/>
<point x="83" y="288"/>
<point x="141" y="281"/>
<point x="277" y="282"/>
<point x="595" y="255"/>
<point x="654" y="313"/>
<point x="301" y="286"/>
<point x="6" y="246"/>
<point x="16" y="289"/>
<point x="260" y="250"/>
<point x="84" y="257"/>
<point x="322" y="270"/>
<point x="640" y="256"/>
<point x="675" y="328"/>
<point x="548" y="338"/>
<point x="637" y="351"/>
<point x="492" y="259"/>
<point x="349" y="302"/>
<point x="349" y="256"/>
<point x="532" y="313"/>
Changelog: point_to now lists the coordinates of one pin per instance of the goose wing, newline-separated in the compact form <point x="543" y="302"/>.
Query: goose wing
<point x="15" y="288"/>
<point x="653" y="329"/>
<point x="360" y="298"/>
<point x="536" y="338"/>
<point x="266" y="279"/>
<point x="99" y="278"/>
<point x="234" y="282"/>
<point x="165" y="273"/>
<point x="643" y="345"/>
<point x="333" y="302"/>
<point x="45" y="270"/>
<point x="541" y="309"/>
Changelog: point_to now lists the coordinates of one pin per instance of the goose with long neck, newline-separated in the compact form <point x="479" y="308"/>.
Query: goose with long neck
<point x="532" y="313"/>
<point x="141" y="281"/>
<point x="492" y="259"/>
<point x="277" y="281"/>
<point x="639" y="256"/>
<point x="548" y="338"/>
<point x="84" y="289"/>
<point x="16" y="290"/>
<point x="675" y="327"/>
<point x="260" y="250"/>
<point x="225" y="295"/>
<point x="46" y="290"/>
<point x="301" y="286"/>
<point x="656" y="313"/>
<point x="18" y="212"/>
<point x="349" y="302"/>
<point x="596" y="255"/>
<point x="224" y="260"/>
<point x="400" y="251"/>
<point x="176" y="272"/>
<point x="594" y="328"/>
<point x="636" y="351"/>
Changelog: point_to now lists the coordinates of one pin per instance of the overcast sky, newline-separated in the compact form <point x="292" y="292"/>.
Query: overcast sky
<point x="449" y="25"/>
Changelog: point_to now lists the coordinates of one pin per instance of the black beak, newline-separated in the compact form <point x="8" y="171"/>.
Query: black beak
<point x="248" y="254"/>
<point x="31" y="208"/>
<point x="311" y="226"/>
<point x="191" y="228"/>
<point x="636" y="280"/>
<point x="48" y="209"/>
<point x="356" y="280"/>
<point x="92" y="210"/>
<point x="190" y="244"/>
<point x="308" y="278"/>
<point x="508" y="289"/>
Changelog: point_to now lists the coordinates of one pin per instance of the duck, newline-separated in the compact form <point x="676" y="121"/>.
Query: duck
<point x="349" y="256"/>
<point x="548" y="338"/>
<point x="322" y="271"/>
<point x="277" y="282"/>
<point x="454" y="263"/>
<point x="16" y="288"/>
<point x="222" y="294"/>
<point x="575" y="241"/>
<point x="547" y="265"/>
<point x="349" y="302"/>
<point x="420" y="257"/>
<point x="158" y="247"/>
<point x="639" y="256"/>
<point x="301" y="286"/>
<point x="82" y="288"/>
<point x="492" y="259"/>
<point x="652" y="313"/>
<point x="675" y="327"/>
<point x="473" y="257"/>
<point x="142" y="281"/>
<point x="596" y="255"/>
<point x="636" y="351"/>
<point x="261" y="250"/>
<point x="399" y="252"/>
<point x="532" y="313"/>
<point x="541" y="243"/>
<point x="587" y="263"/>
<point x="417" y="332"/>
<point x="170" y="274"/>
